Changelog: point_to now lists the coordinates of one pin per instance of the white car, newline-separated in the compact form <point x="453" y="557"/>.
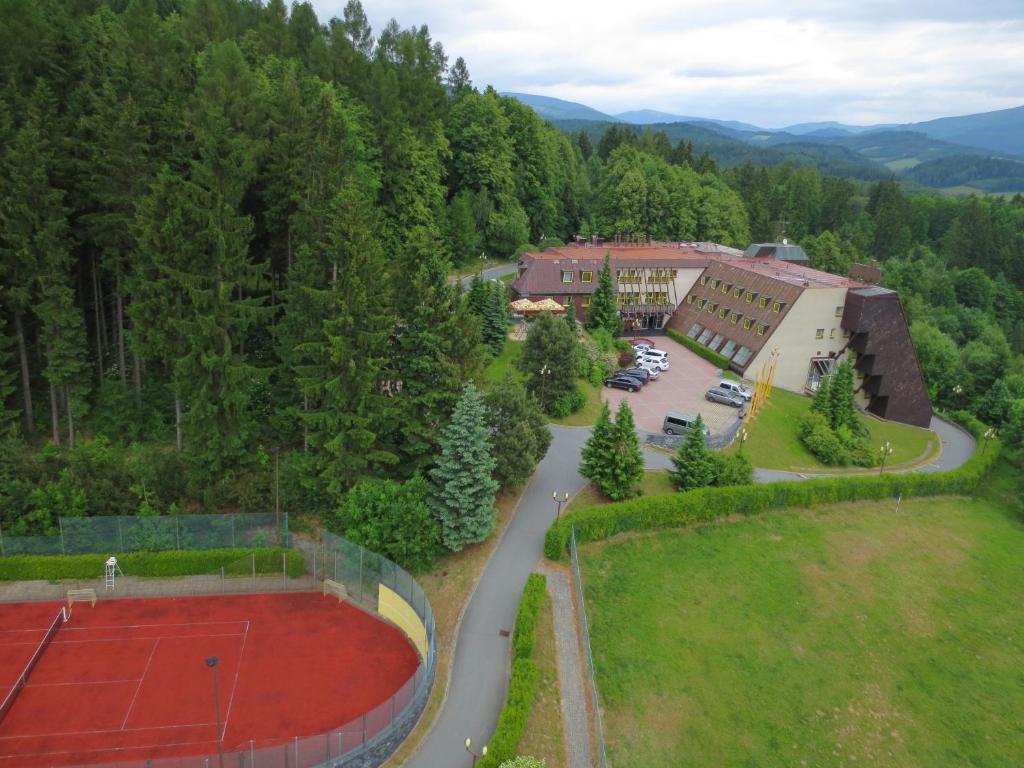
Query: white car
<point x="652" y="361"/>
<point x="651" y="368"/>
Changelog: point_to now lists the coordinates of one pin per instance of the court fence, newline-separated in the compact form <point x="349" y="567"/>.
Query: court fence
<point x="135" y="533"/>
<point x="602" y="751"/>
<point x="375" y="585"/>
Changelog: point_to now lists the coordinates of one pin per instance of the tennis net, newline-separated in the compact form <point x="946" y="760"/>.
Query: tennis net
<point x="58" y="621"/>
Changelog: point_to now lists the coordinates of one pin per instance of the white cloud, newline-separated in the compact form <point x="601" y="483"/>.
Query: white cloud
<point x="765" y="62"/>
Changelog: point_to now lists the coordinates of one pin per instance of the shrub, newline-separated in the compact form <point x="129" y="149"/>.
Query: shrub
<point x="826" y="446"/>
<point x="522" y="687"/>
<point x="566" y="404"/>
<point x="524" y="635"/>
<point x="699" y="349"/>
<point x="163" y="564"/>
<point x="704" y="504"/>
<point x="731" y="469"/>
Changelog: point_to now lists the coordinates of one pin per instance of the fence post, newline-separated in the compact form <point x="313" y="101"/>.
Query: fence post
<point x="252" y="753"/>
<point x="2" y="553"/>
<point x="232" y="530"/>
<point x="361" y="574"/>
<point x="120" y="533"/>
<point x="284" y="577"/>
<point x="177" y="533"/>
<point x="254" y="570"/>
<point x="335" y="560"/>
<point x="60" y="525"/>
<point x="364" y="729"/>
<point x="392" y="709"/>
<point x="341" y="743"/>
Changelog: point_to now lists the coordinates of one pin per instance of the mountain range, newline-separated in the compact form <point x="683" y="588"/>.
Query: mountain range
<point x="981" y="153"/>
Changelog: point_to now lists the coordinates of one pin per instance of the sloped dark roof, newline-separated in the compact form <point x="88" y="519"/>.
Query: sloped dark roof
<point x="780" y="251"/>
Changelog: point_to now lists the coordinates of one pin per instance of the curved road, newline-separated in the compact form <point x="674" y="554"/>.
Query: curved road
<point x="494" y="273"/>
<point x="479" y="670"/>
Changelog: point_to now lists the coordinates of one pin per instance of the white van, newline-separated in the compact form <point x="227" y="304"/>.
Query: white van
<point x="680" y="423"/>
<point x="736" y="388"/>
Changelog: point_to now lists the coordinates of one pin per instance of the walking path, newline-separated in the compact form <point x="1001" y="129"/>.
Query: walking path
<point x="479" y="669"/>
<point x="570" y="669"/>
<point x="494" y="273"/>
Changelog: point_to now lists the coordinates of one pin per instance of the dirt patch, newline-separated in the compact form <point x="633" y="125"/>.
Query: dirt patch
<point x="869" y="730"/>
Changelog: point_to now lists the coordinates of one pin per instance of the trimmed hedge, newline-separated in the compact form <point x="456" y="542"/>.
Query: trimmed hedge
<point x="699" y="349"/>
<point x="164" y="564"/>
<point x="705" y="504"/>
<point x="522" y="687"/>
<point x="524" y="636"/>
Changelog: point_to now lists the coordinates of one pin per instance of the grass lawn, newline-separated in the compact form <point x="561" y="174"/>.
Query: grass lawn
<point x="772" y="442"/>
<point x="587" y="415"/>
<point x="505" y="362"/>
<point x="543" y="735"/>
<point x="655" y="482"/>
<point x="842" y="636"/>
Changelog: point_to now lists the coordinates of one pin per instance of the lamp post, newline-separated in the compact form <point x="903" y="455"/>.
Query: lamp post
<point x="483" y="752"/>
<point x="277" y="491"/>
<point x="559" y="501"/>
<point x="989" y="434"/>
<point x="742" y="436"/>
<point x="545" y="372"/>
<point x="211" y="662"/>
<point x="885" y="452"/>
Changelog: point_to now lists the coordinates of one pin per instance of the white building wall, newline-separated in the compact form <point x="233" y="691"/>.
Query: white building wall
<point x="795" y="338"/>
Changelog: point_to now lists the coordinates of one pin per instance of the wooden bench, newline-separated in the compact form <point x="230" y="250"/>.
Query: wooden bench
<point x="82" y="596"/>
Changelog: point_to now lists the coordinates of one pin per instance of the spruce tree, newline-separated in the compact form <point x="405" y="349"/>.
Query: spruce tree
<point x="8" y="414"/>
<point x="844" y="408"/>
<point x="463" y="489"/>
<point x="597" y="455"/>
<point x="603" y="312"/>
<point x="694" y="465"/>
<point x="570" y="315"/>
<point x="477" y="296"/>
<point x="629" y="459"/>
<point x="63" y="341"/>
<point x="549" y="360"/>
<point x="495" y="325"/>
<point x="822" y="402"/>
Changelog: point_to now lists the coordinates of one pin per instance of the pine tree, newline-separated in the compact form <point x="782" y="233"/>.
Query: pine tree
<point x="844" y="408"/>
<point x="694" y="466"/>
<point x="822" y="402"/>
<point x="597" y="455"/>
<point x="63" y="341"/>
<point x="495" y="325"/>
<point x="549" y="360"/>
<point x="463" y="496"/>
<point x="603" y="312"/>
<point x="570" y="315"/>
<point x="8" y="375"/>
<point x="477" y="296"/>
<point x="629" y="459"/>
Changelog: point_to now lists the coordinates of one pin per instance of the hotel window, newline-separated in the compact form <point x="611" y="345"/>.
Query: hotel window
<point x="839" y="311"/>
<point x="750" y="296"/>
<point x="715" y="341"/>
<point x="728" y="349"/>
<point x="587" y="276"/>
<point x="776" y="306"/>
<point x="705" y="335"/>
<point x="733" y="318"/>
<point x="697" y="327"/>
<point x="725" y="288"/>
<point x="762" y="329"/>
<point x="762" y="302"/>
<point x="711" y="307"/>
<point x="736" y="292"/>
<point x="722" y="312"/>
<point x="832" y="333"/>
<point x="586" y="300"/>
<point x="703" y="279"/>
<point x="700" y="303"/>
<point x="747" y="323"/>
<point x="820" y="333"/>
<point x="566" y="275"/>
<point x="742" y="356"/>
<point x="714" y="284"/>
<point x="674" y="273"/>
<point x="689" y="299"/>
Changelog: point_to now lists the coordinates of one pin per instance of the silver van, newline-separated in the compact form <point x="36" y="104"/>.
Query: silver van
<point x="680" y="423"/>
<point x="736" y="388"/>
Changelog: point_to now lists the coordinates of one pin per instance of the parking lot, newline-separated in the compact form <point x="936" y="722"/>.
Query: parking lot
<point x="681" y="388"/>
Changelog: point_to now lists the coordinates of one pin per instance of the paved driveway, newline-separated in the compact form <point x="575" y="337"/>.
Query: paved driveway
<point x="680" y="388"/>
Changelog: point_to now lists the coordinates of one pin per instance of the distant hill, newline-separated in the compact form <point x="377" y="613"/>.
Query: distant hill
<point x="829" y="127"/>
<point x="653" y="116"/>
<point x="986" y="174"/>
<point x="556" y="109"/>
<point x="1000" y="131"/>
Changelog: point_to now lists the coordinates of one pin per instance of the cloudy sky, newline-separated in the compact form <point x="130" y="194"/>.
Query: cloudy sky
<point x="769" y="62"/>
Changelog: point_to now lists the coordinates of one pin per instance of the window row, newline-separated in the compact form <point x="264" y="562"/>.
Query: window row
<point x="635" y="297"/>
<point x="734" y="316"/>
<point x="738" y="292"/>
<point x="731" y="350"/>
<point x="660" y="275"/>
<point x="586" y="276"/>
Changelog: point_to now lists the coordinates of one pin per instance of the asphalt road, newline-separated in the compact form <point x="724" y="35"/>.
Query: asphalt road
<point x="479" y="675"/>
<point x="493" y="273"/>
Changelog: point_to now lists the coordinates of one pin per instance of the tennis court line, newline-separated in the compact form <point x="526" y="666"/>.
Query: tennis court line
<point x="84" y="682"/>
<point x="145" y="669"/>
<point x="238" y="669"/>
<point x="110" y="730"/>
<point x="144" y="639"/>
<point x="86" y="750"/>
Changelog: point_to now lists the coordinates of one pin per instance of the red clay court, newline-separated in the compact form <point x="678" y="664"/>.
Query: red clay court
<point x="127" y="679"/>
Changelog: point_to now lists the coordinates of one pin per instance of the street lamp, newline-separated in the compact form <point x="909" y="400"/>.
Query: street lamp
<point x="885" y="452"/>
<point x="989" y="434"/>
<point x="211" y="662"/>
<point x="483" y="752"/>
<point x="742" y="438"/>
<point x="559" y="502"/>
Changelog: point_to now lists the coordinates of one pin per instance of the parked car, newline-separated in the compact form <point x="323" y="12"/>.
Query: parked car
<point x="720" y="395"/>
<point x="680" y="423"/>
<point x="653" y="361"/>
<point x="641" y="374"/>
<point x="643" y="349"/>
<point x="736" y="388"/>
<point x="627" y="383"/>
<point x="652" y="368"/>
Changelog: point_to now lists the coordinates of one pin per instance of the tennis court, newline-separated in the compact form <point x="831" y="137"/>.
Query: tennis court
<point x="129" y="679"/>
